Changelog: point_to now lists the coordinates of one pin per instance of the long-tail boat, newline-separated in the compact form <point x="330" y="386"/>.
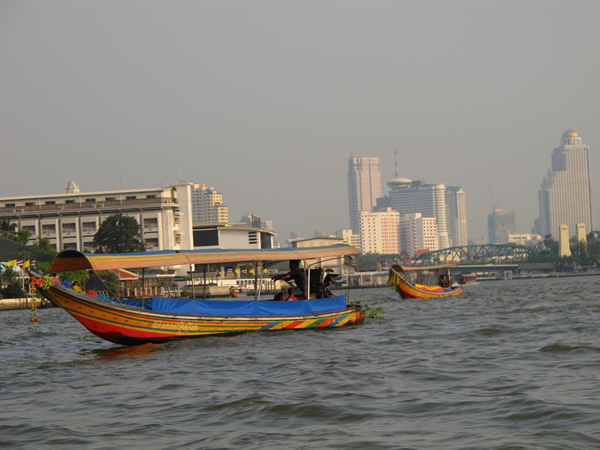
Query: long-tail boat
<point x="406" y="282"/>
<point x="162" y="319"/>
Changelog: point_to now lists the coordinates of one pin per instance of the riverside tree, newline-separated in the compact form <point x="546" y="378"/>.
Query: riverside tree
<point x="119" y="234"/>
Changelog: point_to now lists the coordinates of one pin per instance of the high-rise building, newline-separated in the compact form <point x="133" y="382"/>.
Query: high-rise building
<point x="418" y="234"/>
<point x="501" y="226"/>
<point x="409" y="197"/>
<point x="364" y="187"/>
<point x="207" y="205"/>
<point x="565" y="195"/>
<point x="380" y="232"/>
<point x="456" y="199"/>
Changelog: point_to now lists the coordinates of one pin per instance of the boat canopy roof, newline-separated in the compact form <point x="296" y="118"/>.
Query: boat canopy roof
<point x="75" y="260"/>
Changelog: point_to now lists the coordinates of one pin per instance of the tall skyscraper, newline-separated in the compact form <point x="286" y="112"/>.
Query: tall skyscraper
<point x="565" y="195"/>
<point x="456" y="199"/>
<point x="501" y="226"/>
<point x="364" y="187"/>
<point x="407" y="197"/>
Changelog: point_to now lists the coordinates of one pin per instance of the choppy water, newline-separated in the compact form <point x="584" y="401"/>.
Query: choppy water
<point x="510" y="365"/>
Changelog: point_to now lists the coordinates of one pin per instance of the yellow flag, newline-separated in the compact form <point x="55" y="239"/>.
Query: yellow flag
<point x="12" y="262"/>
<point x="26" y="264"/>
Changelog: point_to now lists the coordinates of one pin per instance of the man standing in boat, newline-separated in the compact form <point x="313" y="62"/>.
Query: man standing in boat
<point x="297" y="274"/>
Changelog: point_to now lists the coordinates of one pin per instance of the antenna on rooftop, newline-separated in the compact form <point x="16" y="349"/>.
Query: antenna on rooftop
<point x="396" y="163"/>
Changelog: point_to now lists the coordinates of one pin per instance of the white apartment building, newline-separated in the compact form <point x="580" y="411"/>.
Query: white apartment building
<point x="349" y="237"/>
<point x="380" y="232"/>
<point x="407" y="197"/>
<point x="529" y="239"/>
<point x="418" y="233"/>
<point x="207" y="205"/>
<point x="565" y="195"/>
<point x="71" y="220"/>
<point x="364" y="188"/>
<point x="456" y="200"/>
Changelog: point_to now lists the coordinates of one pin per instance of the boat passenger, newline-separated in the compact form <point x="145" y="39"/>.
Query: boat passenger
<point x="280" y="296"/>
<point x="76" y="286"/>
<point x="297" y="275"/>
<point x="232" y="292"/>
<point x="292" y="293"/>
<point x="444" y="281"/>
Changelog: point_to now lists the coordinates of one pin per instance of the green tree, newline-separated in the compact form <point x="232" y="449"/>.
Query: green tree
<point x="43" y="245"/>
<point x="7" y="229"/>
<point x="369" y="262"/>
<point x="22" y="237"/>
<point x="119" y="234"/>
<point x="11" y="286"/>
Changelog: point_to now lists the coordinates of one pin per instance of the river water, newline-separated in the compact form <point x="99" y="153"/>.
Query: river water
<point x="509" y="365"/>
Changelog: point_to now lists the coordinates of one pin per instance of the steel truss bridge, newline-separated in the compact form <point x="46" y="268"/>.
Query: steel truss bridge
<point x="476" y="255"/>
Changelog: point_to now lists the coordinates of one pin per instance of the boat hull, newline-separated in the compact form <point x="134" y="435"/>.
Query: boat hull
<point x="128" y="325"/>
<point x="405" y="289"/>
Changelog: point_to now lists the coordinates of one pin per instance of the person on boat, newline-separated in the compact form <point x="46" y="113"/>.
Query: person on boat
<point x="232" y="292"/>
<point x="444" y="281"/>
<point x="330" y="278"/>
<point x="292" y="293"/>
<point x="297" y="275"/>
<point x="281" y="296"/>
<point x="76" y="286"/>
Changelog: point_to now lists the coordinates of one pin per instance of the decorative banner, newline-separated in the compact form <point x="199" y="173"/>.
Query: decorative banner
<point x="12" y="262"/>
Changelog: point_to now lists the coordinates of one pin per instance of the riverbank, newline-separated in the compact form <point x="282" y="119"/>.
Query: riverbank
<point x="23" y="303"/>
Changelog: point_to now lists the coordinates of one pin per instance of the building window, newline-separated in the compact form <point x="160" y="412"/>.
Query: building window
<point x="10" y="205"/>
<point x="50" y="202"/>
<point x="130" y="197"/>
<point x="151" y="196"/>
<point x="70" y="202"/>
<point x="48" y="230"/>
<point x="252" y="238"/>
<point x="151" y="243"/>
<point x="90" y="200"/>
<point x="206" y="238"/>
<point x="151" y="223"/>
<point x="88" y="227"/>
<point x="110" y="199"/>
<point x="29" y="203"/>
<point x="69" y="228"/>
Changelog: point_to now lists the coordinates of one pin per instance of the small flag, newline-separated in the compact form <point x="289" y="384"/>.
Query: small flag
<point x="26" y="264"/>
<point x="20" y="262"/>
<point x="33" y="263"/>
<point x="12" y="262"/>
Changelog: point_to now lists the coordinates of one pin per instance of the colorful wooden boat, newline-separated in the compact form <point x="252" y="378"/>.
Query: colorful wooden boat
<point x="398" y="280"/>
<point x="162" y="319"/>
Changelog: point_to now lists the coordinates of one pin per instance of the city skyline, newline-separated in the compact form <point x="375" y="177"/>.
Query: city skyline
<point x="240" y="96"/>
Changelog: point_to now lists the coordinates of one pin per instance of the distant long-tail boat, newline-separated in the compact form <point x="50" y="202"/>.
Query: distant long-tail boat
<point x="399" y="282"/>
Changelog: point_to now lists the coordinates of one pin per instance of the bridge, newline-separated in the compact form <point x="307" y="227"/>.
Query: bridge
<point x="486" y="254"/>
<point x="473" y="257"/>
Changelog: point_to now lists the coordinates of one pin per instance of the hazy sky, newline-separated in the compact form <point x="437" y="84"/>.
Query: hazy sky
<point x="266" y="100"/>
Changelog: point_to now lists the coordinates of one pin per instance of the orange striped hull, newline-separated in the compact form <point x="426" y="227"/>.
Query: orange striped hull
<point x="128" y="325"/>
<point x="407" y="290"/>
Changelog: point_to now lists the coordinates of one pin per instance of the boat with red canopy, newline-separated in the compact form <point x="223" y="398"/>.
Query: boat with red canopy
<point x="162" y="319"/>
